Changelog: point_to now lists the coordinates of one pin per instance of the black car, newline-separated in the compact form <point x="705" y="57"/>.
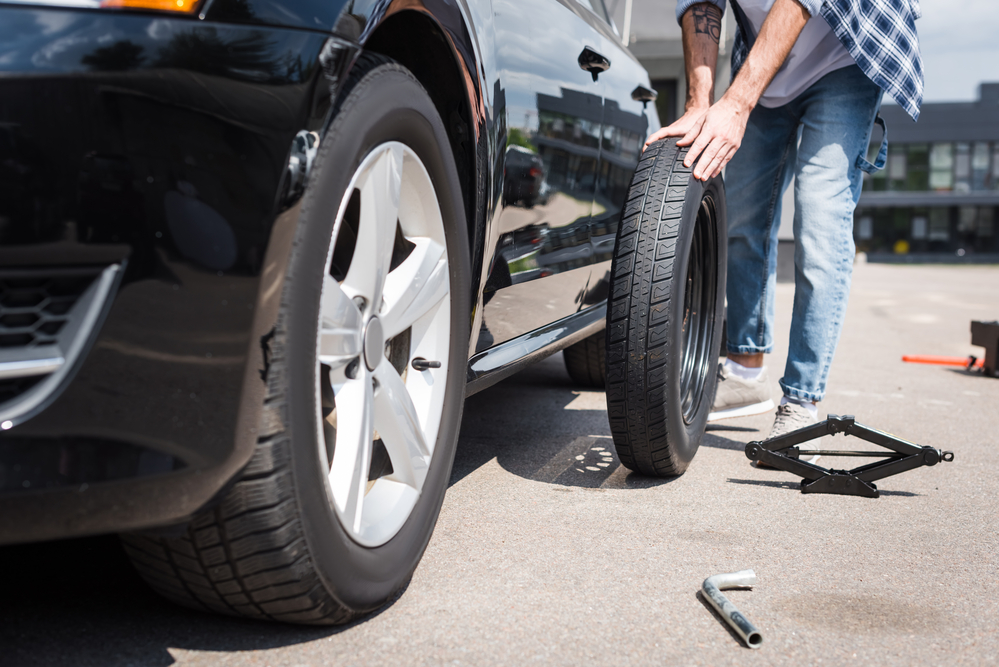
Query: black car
<point x="255" y="253"/>
<point x="524" y="178"/>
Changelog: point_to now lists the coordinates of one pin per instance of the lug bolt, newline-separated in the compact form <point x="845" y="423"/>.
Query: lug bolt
<point x="422" y="364"/>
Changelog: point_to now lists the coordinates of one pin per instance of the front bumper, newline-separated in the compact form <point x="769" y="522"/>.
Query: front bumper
<point x="158" y="144"/>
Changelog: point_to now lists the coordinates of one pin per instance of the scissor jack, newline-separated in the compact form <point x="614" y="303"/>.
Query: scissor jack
<point x="783" y="453"/>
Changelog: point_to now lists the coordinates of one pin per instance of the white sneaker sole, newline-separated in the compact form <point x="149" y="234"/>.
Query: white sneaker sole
<point x="744" y="411"/>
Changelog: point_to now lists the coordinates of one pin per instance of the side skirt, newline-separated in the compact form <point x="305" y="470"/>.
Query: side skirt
<point x="490" y="366"/>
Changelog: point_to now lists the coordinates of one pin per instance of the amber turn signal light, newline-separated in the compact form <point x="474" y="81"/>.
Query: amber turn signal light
<point x="183" y="6"/>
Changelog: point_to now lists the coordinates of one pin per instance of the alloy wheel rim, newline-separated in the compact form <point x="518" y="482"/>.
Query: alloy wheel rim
<point x="698" y="311"/>
<point x="385" y="301"/>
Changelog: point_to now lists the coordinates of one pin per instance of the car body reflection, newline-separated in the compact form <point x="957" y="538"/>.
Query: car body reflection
<point x="524" y="182"/>
<point x="566" y="176"/>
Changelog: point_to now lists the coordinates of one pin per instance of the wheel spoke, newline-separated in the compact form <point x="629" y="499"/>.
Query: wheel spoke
<point x="339" y="332"/>
<point x="399" y="428"/>
<point x="352" y="456"/>
<point x="416" y="287"/>
<point x="389" y="307"/>
<point x="379" y="215"/>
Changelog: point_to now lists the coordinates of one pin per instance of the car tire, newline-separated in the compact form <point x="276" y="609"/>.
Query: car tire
<point x="337" y="505"/>
<point x="586" y="361"/>
<point x="664" y="318"/>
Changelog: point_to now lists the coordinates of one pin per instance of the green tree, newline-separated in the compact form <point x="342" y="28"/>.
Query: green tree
<point x="517" y="137"/>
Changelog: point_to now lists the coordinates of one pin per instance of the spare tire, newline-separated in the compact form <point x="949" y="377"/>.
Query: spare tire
<point x="664" y="318"/>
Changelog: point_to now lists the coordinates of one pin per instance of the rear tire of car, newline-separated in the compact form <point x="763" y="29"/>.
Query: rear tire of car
<point x="586" y="361"/>
<point x="334" y="511"/>
<point x="664" y="318"/>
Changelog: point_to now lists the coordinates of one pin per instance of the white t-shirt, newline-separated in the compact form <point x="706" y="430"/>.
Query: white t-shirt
<point x="816" y="53"/>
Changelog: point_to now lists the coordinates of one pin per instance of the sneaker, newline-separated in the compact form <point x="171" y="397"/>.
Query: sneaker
<point x="791" y="417"/>
<point x="739" y="397"/>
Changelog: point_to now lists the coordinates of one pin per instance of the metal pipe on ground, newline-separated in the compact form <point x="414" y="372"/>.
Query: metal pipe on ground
<point x="712" y="588"/>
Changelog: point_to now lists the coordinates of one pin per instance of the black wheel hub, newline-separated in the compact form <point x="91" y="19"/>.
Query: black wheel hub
<point x="697" y="362"/>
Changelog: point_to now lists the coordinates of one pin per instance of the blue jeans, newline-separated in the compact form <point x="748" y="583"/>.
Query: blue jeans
<point x="821" y="139"/>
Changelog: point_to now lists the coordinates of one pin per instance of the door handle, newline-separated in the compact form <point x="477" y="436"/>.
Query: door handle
<point x="592" y="62"/>
<point x="644" y="95"/>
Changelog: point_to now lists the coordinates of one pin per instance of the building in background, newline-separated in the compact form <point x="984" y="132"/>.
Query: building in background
<point x="938" y="196"/>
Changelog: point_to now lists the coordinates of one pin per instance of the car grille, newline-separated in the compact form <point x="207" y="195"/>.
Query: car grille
<point x="13" y="387"/>
<point x="46" y="317"/>
<point x="34" y="306"/>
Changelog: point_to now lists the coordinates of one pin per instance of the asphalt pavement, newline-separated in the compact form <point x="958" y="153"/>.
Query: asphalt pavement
<point x="549" y="552"/>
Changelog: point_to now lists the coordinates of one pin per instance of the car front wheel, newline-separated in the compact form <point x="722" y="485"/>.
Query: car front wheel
<point x="364" y="387"/>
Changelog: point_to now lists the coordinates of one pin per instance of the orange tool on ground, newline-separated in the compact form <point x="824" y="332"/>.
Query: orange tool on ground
<point x="971" y="362"/>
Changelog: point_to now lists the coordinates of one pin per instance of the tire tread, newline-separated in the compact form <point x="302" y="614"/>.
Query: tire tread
<point x="247" y="555"/>
<point x="639" y="311"/>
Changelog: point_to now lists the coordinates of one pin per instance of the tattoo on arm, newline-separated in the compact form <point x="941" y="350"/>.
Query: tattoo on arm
<point x="707" y="20"/>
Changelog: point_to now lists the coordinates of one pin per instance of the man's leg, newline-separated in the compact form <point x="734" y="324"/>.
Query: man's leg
<point x="837" y="115"/>
<point x="755" y="181"/>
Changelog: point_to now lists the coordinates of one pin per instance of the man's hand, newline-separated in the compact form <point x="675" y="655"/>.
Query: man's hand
<point x="716" y="138"/>
<point x="715" y="133"/>
<point x="693" y="118"/>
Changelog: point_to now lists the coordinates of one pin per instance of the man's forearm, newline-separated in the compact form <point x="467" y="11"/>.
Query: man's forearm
<point x="714" y="132"/>
<point x="701" y="26"/>
<point x="780" y="31"/>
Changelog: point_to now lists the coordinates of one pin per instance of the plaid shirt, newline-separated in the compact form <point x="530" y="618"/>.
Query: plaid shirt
<point x="879" y="34"/>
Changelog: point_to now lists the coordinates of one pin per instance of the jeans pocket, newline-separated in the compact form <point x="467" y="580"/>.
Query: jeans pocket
<point x="882" y="158"/>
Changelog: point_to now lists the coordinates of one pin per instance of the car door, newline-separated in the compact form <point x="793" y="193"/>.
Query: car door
<point x="625" y="124"/>
<point x="540" y="266"/>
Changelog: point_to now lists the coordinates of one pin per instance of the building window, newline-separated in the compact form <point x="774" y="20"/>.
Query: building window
<point x="979" y="165"/>
<point x="942" y="167"/>
<point x="939" y="224"/>
<point x="967" y="219"/>
<point x="878" y="181"/>
<point x="976" y="228"/>
<point x="917" y="177"/>
<point x="896" y="167"/>
<point x="962" y="167"/>
<point x="884" y="229"/>
<point x="995" y="166"/>
<point x="986" y="222"/>
<point x="865" y="228"/>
